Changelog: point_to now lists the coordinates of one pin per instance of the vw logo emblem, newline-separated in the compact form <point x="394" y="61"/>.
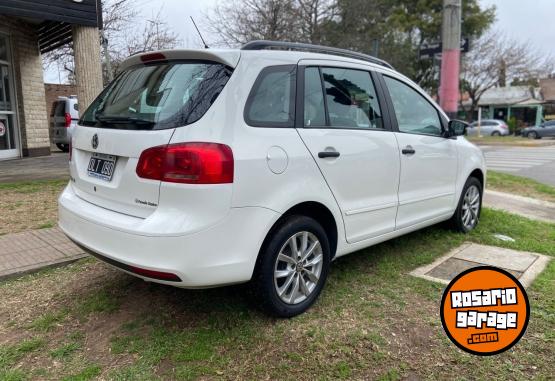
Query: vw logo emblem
<point x="94" y="141"/>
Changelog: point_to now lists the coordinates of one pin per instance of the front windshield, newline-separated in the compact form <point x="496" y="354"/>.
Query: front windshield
<point x="158" y="96"/>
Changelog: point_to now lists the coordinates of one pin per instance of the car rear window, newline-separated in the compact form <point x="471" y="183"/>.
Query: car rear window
<point x="158" y="96"/>
<point x="271" y="102"/>
<point x="58" y="108"/>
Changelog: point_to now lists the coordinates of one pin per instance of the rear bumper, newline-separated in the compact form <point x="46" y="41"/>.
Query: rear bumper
<point x="224" y="253"/>
<point x="61" y="135"/>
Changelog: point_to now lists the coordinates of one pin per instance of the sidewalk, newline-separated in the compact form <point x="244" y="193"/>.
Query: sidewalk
<point x="524" y="206"/>
<point x="33" y="250"/>
<point x="51" y="167"/>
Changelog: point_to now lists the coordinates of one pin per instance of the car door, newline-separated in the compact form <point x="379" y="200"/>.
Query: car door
<point x="343" y="126"/>
<point x="428" y="160"/>
<point x="549" y="128"/>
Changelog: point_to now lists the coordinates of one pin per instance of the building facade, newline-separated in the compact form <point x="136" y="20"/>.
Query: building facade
<point x="29" y="29"/>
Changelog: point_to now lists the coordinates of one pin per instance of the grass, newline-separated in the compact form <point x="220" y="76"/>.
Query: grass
<point x="520" y="185"/>
<point x="372" y="321"/>
<point x="29" y="205"/>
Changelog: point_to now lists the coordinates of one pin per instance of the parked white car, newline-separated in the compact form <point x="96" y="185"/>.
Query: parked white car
<point x="488" y="127"/>
<point x="202" y="168"/>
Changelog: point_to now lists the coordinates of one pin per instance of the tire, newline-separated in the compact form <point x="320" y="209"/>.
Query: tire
<point x="532" y="135"/>
<point x="459" y="221"/>
<point x="495" y="133"/>
<point x="63" y="147"/>
<point x="267" y="284"/>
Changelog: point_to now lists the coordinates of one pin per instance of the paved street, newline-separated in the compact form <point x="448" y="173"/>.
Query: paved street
<point x="537" y="163"/>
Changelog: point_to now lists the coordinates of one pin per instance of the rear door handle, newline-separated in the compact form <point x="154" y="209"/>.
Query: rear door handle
<point x="324" y="154"/>
<point x="408" y="150"/>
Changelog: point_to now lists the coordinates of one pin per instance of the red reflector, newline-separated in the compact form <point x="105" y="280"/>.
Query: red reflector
<point x="188" y="163"/>
<point x="67" y="117"/>
<point x="153" y="57"/>
<point x="155" y="274"/>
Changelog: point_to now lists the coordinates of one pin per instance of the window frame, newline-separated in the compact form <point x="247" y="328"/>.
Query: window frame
<point x="293" y="96"/>
<point x="393" y="117"/>
<point x="299" y="116"/>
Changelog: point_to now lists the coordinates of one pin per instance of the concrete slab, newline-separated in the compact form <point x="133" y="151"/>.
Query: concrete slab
<point x="524" y="206"/>
<point x="34" y="250"/>
<point x="497" y="256"/>
<point x="525" y="266"/>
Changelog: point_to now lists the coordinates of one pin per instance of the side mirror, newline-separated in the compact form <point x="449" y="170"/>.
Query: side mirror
<point x="457" y="127"/>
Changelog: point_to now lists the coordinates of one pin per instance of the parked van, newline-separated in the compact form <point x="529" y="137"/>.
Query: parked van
<point x="63" y="119"/>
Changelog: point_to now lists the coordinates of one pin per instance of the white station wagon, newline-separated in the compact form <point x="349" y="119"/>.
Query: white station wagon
<point x="202" y="168"/>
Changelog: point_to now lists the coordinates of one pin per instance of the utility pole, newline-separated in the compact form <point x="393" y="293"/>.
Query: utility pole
<point x="450" y="57"/>
<point x="109" y="74"/>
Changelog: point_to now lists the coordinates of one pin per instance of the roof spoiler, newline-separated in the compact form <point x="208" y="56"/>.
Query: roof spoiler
<point x="227" y="57"/>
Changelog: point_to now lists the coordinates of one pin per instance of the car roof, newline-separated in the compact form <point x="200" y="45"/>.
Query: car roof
<point x="231" y="57"/>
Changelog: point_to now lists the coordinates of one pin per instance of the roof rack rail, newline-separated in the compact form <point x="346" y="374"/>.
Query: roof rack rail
<point x="267" y="44"/>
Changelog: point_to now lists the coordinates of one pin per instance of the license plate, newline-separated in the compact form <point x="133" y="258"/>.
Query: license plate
<point x="102" y="166"/>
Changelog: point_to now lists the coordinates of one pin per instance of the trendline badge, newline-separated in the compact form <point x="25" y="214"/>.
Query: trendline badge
<point x="485" y="310"/>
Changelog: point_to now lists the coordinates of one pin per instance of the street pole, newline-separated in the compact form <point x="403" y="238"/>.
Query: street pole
<point x="450" y="57"/>
<point x="109" y="74"/>
<point x="479" y="120"/>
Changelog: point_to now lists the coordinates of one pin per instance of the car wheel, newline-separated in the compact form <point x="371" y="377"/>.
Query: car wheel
<point x="532" y="135"/>
<point x="467" y="215"/>
<point x="63" y="147"/>
<point x="495" y="133"/>
<point x="292" y="267"/>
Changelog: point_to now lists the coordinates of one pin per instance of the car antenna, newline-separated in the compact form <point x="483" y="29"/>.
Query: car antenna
<point x="198" y="31"/>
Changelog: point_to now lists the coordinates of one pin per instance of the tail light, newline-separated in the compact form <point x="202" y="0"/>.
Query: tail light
<point x="504" y="126"/>
<point x="67" y="117"/>
<point x="188" y="163"/>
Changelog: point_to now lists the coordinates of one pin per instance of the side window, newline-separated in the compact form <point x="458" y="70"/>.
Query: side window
<point x="351" y="99"/>
<point x="414" y="113"/>
<point x="314" y="106"/>
<point x="271" y="102"/>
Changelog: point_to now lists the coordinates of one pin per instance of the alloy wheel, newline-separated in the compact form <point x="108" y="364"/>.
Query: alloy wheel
<point x="298" y="267"/>
<point x="471" y="207"/>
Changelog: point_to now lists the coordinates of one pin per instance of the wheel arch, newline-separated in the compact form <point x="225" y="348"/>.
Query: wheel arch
<point x="478" y="174"/>
<point x="316" y="210"/>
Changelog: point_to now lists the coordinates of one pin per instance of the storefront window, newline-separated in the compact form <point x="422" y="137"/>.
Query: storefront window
<point x="3" y="49"/>
<point x="7" y="133"/>
<point x="5" y="101"/>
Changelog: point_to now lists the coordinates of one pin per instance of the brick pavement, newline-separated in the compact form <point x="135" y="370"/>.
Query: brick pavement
<point x="33" y="250"/>
<point x="51" y="167"/>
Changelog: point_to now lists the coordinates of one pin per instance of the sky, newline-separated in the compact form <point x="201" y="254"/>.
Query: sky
<point x="530" y="20"/>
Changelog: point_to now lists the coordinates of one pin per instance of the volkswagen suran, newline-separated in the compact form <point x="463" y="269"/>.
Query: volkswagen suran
<point x="203" y="168"/>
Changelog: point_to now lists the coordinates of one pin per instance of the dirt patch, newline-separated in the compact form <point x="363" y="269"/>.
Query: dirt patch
<point x="29" y="205"/>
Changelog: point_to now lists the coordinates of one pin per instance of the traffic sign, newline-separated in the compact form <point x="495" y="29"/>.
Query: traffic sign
<point x="429" y="50"/>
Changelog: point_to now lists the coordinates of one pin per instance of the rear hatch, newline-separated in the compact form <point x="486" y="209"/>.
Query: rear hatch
<point x="153" y="95"/>
<point x="58" y="118"/>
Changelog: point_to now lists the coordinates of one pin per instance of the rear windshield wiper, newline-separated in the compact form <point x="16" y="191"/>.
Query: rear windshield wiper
<point x="122" y="119"/>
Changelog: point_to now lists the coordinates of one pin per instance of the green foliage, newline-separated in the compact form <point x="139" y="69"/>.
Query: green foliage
<point x="401" y="27"/>
<point x="512" y="124"/>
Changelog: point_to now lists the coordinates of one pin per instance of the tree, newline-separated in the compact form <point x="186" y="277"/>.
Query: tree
<point x="155" y="34"/>
<point x="496" y="59"/>
<point x="237" y="22"/>
<point x="126" y="33"/>
<point x="401" y="28"/>
<point x="397" y="28"/>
